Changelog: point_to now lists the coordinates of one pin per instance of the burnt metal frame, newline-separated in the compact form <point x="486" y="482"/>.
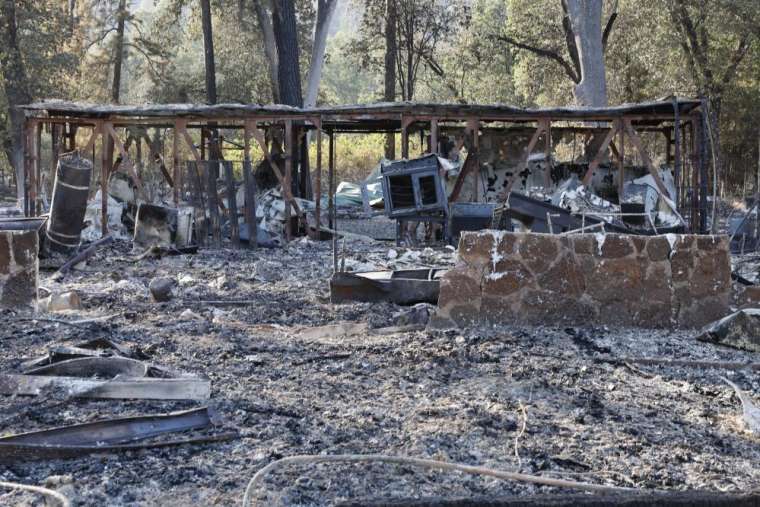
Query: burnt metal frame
<point x="671" y="117"/>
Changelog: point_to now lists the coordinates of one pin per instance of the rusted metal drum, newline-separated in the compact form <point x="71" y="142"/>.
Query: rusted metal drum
<point x="69" y="203"/>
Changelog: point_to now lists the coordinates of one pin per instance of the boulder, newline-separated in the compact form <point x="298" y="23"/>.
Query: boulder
<point x="161" y="289"/>
<point x="740" y="330"/>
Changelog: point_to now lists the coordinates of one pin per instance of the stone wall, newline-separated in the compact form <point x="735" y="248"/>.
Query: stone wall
<point x="18" y="268"/>
<point x="612" y="279"/>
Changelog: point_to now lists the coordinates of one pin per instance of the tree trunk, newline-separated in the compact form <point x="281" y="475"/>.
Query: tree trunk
<point x="270" y="46"/>
<point x="289" y="79"/>
<point x="288" y="68"/>
<point x="210" y="67"/>
<point x="208" y="52"/>
<point x="118" y="51"/>
<point x="325" y="14"/>
<point x="16" y="89"/>
<point x="118" y="62"/>
<point x="391" y="22"/>
<point x="586" y="20"/>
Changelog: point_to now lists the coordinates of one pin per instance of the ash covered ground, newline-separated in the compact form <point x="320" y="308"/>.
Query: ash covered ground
<point x="543" y="401"/>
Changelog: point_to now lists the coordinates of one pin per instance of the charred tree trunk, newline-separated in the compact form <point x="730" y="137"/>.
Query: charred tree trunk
<point x="289" y="79"/>
<point x="390" y="69"/>
<point x="325" y="13"/>
<point x="270" y="46"/>
<point x="16" y="90"/>
<point x="118" y="57"/>
<point x="118" y="62"/>
<point x="210" y="68"/>
<point x="586" y="20"/>
<point x="288" y="67"/>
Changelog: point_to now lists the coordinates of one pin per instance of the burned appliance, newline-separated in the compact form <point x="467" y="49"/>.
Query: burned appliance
<point x="413" y="190"/>
<point x="470" y="216"/>
<point x="403" y="287"/>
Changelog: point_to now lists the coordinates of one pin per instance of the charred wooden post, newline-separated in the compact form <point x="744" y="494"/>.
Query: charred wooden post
<point x="250" y="189"/>
<point x="677" y="150"/>
<point x="27" y="153"/>
<point x="695" y="164"/>
<point x="289" y="149"/>
<point x="103" y="179"/>
<point x="434" y="136"/>
<point x="232" y="209"/>
<point x="67" y="208"/>
<point x="213" y="202"/>
<point x="176" y="169"/>
<point x="331" y="202"/>
<point x="37" y="166"/>
<point x="318" y="183"/>
<point x="703" y="174"/>
<point x="405" y="122"/>
<point x="621" y="164"/>
<point x="196" y="180"/>
<point x="548" y="153"/>
<point x="601" y="153"/>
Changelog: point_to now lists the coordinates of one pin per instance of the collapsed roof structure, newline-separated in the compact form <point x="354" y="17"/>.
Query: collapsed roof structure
<point x="675" y="127"/>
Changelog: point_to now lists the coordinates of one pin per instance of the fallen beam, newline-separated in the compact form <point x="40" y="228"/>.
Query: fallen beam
<point x="83" y="255"/>
<point x="118" y="388"/>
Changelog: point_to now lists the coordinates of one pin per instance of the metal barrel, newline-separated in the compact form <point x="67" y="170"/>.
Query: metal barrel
<point x="69" y="203"/>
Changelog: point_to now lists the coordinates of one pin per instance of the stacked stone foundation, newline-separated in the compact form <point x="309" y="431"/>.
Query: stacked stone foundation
<point x="606" y="279"/>
<point x="19" y="268"/>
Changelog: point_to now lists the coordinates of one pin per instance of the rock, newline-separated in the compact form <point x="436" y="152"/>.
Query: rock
<point x="740" y="330"/>
<point x="418" y="314"/>
<point x="60" y="302"/>
<point x="267" y="271"/>
<point x="161" y="289"/>
<point x="188" y="314"/>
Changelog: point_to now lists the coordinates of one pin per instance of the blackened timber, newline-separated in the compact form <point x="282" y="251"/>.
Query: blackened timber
<point x="232" y="208"/>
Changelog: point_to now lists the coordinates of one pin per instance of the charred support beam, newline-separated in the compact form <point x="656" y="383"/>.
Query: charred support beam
<point x="37" y="164"/>
<point x="126" y="159"/>
<point x="196" y="182"/>
<point x="636" y="140"/>
<point x="249" y="181"/>
<point x="318" y="181"/>
<point x="599" y="157"/>
<point x="103" y="178"/>
<point x="548" y="154"/>
<point x="331" y="204"/>
<point x="176" y="170"/>
<point x="434" y="136"/>
<point x="258" y="134"/>
<point x="677" y="150"/>
<point x="406" y="121"/>
<point x="472" y="130"/>
<point x="96" y="131"/>
<point x="289" y="149"/>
